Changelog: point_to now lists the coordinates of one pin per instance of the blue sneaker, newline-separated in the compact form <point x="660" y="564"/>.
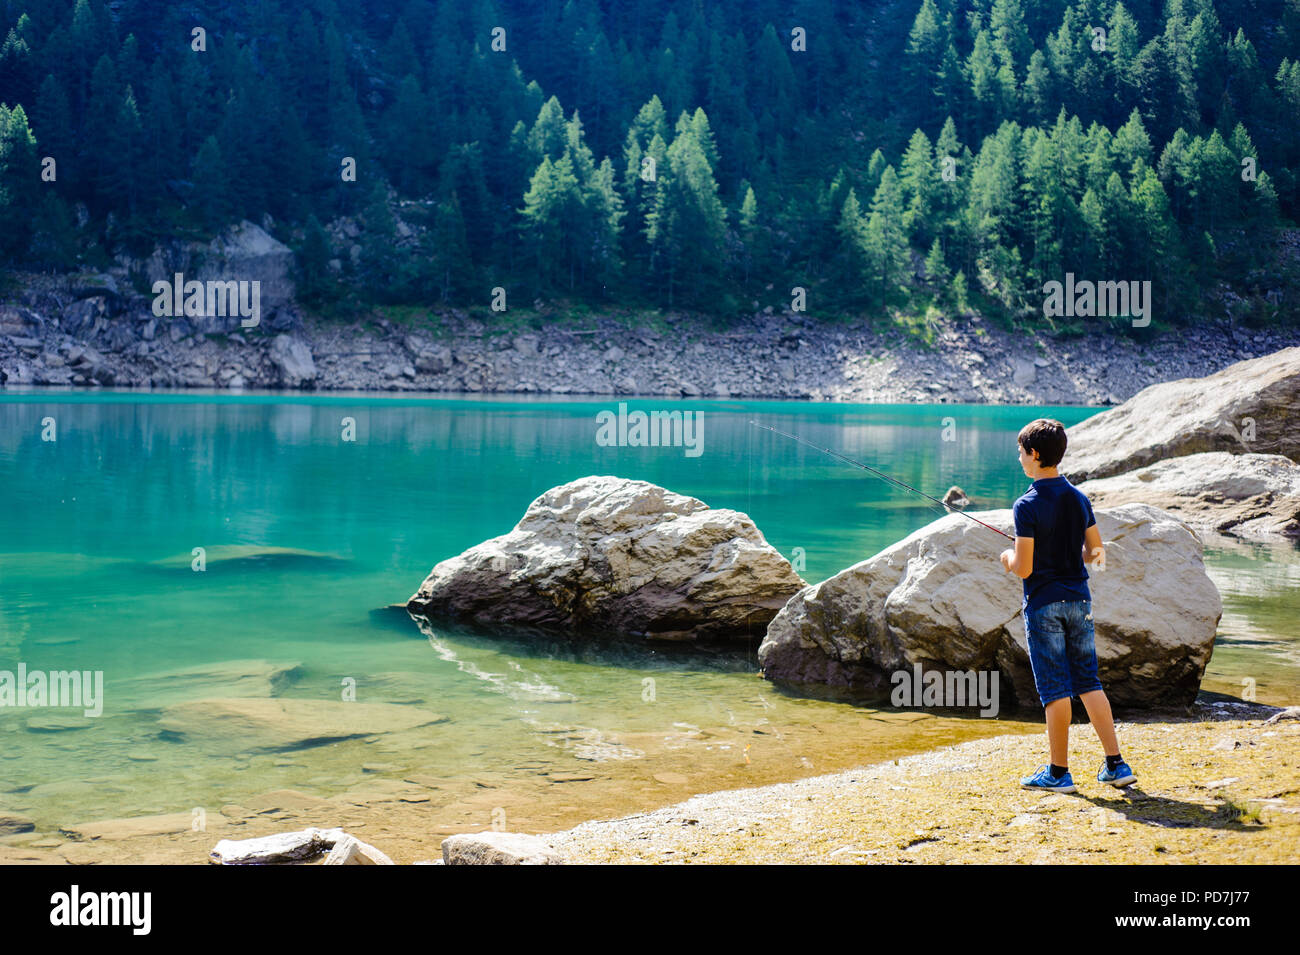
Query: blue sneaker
<point x="1121" y="775"/>
<point x="1043" y="779"/>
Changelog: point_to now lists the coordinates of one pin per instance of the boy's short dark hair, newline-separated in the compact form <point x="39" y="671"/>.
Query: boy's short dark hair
<point x="1047" y="437"/>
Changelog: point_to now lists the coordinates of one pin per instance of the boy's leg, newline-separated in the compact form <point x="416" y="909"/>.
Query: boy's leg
<point x="1098" y="707"/>
<point x="1081" y="647"/>
<point x="1048" y="659"/>
<point x="1058" y="714"/>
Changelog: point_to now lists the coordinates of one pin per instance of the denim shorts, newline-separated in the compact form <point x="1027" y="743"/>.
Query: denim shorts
<point x="1062" y="649"/>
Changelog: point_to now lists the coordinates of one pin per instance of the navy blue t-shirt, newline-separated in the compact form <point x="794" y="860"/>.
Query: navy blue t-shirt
<point x="1055" y="514"/>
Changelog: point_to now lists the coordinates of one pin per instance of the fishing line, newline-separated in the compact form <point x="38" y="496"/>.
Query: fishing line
<point x="948" y="508"/>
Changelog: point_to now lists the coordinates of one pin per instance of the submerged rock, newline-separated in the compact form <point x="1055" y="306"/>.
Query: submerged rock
<point x="13" y="822"/>
<point x="611" y="556"/>
<point x="270" y="725"/>
<point x="280" y="800"/>
<point x="1250" y="495"/>
<point x="498" y="848"/>
<point x="58" y="722"/>
<point x="226" y="678"/>
<point x="246" y="556"/>
<point x="1251" y="406"/>
<point x="112" y="830"/>
<point x="940" y="598"/>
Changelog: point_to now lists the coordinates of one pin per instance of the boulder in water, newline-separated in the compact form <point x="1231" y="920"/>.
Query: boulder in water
<point x="352" y="851"/>
<point x="940" y="598"/>
<point x="956" y="498"/>
<point x="607" y="556"/>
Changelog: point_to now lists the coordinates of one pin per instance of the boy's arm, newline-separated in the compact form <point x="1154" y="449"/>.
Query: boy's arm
<point x="1021" y="560"/>
<point x="1094" y="552"/>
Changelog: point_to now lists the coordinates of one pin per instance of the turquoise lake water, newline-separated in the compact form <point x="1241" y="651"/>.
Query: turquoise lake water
<point x="306" y="533"/>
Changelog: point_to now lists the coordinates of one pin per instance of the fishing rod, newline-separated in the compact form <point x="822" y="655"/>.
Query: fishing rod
<point x="881" y="474"/>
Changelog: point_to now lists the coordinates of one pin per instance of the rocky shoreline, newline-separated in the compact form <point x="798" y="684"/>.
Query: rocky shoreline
<point x="88" y="332"/>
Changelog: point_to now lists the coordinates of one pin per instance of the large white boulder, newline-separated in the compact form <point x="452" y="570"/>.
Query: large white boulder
<point x="1252" y="406"/>
<point x="608" y="556"/>
<point x="1250" y="495"/>
<point x="940" y="598"/>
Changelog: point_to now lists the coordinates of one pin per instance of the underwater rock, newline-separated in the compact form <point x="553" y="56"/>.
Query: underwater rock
<point x="272" y="725"/>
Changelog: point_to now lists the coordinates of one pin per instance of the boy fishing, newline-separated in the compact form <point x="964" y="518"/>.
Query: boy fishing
<point x="1055" y="535"/>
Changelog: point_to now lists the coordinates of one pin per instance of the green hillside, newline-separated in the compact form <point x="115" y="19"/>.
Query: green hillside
<point x="899" y="155"/>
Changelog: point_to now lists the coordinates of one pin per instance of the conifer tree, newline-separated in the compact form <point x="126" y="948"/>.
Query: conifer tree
<point x="686" y="229"/>
<point x="886" y="234"/>
<point x="18" y="178"/>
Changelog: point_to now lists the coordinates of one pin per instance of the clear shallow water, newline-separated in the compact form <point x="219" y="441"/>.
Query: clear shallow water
<point x="306" y="534"/>
<point x="1258" y="644"/>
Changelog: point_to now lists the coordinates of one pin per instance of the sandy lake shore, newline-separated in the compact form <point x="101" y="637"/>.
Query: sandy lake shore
<point x="1209" y="791"/>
